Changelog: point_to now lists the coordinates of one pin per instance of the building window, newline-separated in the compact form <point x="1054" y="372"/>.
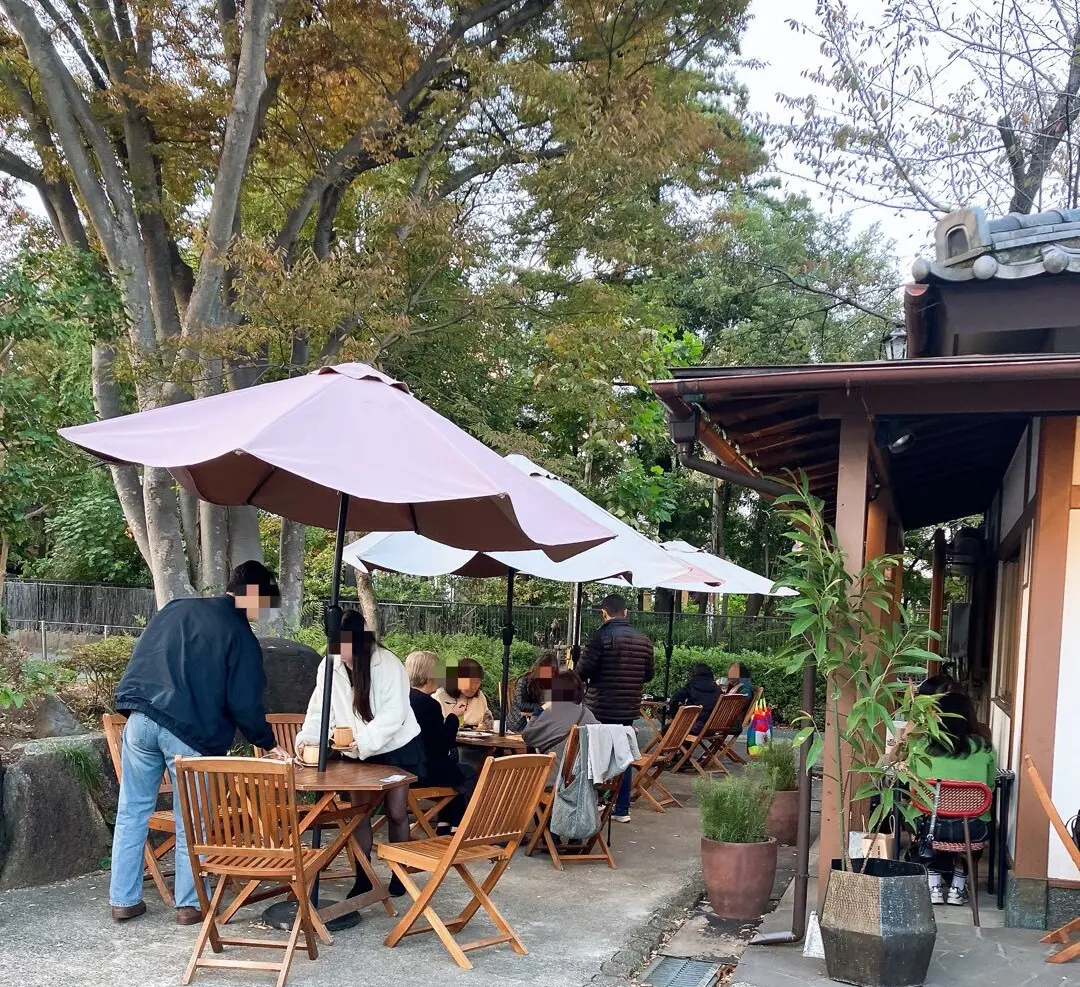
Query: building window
<point x="1007" y="643"/>
<point x="956" y="242"/>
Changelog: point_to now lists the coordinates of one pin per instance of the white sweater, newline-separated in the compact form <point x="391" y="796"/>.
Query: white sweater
<point x="393" y="724"/>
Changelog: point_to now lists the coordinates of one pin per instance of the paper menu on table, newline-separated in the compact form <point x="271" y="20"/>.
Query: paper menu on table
<point x="389" y="779"/>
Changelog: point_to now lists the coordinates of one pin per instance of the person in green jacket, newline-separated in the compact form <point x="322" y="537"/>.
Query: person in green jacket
<point x="961" y="755"/>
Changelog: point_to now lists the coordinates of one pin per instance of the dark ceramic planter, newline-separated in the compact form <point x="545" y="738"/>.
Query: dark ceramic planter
<point x="738" y="877"/>
<point x="783" y="822"/>
<point x="877" y="925"/>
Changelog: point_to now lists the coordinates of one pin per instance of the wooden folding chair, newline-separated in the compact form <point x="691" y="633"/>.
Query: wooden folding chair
<point x="285" y="727"/>
<point x="574" y="853"/>
<point x="1063" y="936"/>
<point x="491" y="829"/>
<point x="720" y="730"/>
<point x="649" y="767"/>
<point x="242" y="823"/>
<point x="161" y="821"/>
<point x="425" y="804"/>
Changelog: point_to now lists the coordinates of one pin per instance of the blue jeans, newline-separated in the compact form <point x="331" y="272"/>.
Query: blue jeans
<point x="148" y="750"/>
<point x="622" y="800"/>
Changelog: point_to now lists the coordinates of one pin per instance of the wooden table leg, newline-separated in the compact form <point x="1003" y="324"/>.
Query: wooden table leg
<point x="379" y="892"/>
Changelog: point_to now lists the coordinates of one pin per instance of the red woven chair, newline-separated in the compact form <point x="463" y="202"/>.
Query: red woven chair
<point x="965" y="800"/>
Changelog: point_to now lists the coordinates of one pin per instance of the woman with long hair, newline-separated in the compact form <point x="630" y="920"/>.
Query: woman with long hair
<point x="370" y="696"/>
<point x="532" y="690"/>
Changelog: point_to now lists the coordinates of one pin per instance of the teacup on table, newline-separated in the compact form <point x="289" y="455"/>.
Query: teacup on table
<point x="342" y="737"/>
<point x="309" y="755"/>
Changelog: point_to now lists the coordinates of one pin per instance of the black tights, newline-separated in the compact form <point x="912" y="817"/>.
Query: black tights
<point x="396" y="807"/>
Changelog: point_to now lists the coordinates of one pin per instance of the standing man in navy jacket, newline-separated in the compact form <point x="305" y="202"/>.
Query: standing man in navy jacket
<point x="195" y="678"/>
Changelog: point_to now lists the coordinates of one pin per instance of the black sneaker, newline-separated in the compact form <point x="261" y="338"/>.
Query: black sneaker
<point x="362" y="885"/>
<point x="397" y="889"/>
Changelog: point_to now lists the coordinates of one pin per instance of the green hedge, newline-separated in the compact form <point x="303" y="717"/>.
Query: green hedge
<point x="783" y="691"/>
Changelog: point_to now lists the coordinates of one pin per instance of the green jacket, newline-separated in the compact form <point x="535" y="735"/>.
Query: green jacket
<point x="979" y="765"/>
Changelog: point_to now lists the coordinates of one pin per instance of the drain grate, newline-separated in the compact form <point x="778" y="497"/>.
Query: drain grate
<point x="669" y="971"/>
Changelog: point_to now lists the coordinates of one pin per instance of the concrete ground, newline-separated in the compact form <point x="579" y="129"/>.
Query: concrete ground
<point x="588" y="924"/>
<point x="990" y="956"/>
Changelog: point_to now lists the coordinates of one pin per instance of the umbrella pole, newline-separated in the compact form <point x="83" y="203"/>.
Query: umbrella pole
<point x="508" y="639"/>
<point x="332" y="622"/>
<point x="575" y="640"/>
<point x="669" y="647"/>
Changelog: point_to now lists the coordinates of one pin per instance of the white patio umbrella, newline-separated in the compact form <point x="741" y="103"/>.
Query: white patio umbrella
<point x="629" y="556"/>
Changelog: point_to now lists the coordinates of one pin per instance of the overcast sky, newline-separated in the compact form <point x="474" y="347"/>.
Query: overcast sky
<point x="787" y="54"/>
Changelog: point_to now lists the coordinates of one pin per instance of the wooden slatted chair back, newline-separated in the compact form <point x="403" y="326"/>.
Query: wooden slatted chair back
<point x="570" y="756"/>
<point x="285" y="727"/>
<point x="243" y="806"/>
<point x="672" y="741"/>
<point x="505" y="799"/>
<point x="113" y="725"/>
<point x="729" y="714"/>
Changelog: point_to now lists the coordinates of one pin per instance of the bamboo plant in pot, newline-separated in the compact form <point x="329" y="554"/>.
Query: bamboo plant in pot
<point x="738" y="858"/>
<point x="877" y="922"/>
<point x="779" y="760"/>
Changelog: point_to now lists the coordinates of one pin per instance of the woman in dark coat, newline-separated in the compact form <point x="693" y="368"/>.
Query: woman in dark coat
<point x="700" y="690"/>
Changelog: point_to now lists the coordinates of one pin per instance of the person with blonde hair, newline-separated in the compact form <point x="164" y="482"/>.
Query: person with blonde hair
<point x="438" y="734"/>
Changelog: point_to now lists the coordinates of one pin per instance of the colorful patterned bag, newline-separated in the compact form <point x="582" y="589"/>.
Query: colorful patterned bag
<point x="759" y="733"/>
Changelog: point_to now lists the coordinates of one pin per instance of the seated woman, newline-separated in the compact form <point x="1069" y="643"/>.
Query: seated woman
<point x="548" y="730"/>
<point x="438" y="733"/>
<point x="462" y="695"/>
<point x="531" y="691"/>
<point x="370" y="695"/>
<point x="700" y="690"/>
<point x="738" y="681"/>
<point x="961" y="755"/>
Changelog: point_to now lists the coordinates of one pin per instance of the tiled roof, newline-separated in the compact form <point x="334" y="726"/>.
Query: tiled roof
<point x="971" y="247"/>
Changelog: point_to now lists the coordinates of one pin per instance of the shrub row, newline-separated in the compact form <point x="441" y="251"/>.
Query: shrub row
<point x="101" y="663"/>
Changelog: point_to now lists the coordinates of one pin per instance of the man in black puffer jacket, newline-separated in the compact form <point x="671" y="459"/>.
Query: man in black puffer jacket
<point x="617" y="662"/>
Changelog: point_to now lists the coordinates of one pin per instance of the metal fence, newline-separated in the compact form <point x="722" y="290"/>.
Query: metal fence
<point x="547" y="625"/>
<point x="61" y="612"/>
<point x="75" y="604"/>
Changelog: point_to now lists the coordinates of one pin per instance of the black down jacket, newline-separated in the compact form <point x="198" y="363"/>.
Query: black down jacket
<point x="702" y="691"/>
<point x="617" y="662"/>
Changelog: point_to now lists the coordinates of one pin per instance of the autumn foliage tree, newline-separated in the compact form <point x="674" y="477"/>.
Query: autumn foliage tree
<point x="277" y="184"/>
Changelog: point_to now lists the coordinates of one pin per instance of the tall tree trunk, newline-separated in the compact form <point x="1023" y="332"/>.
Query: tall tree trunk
<point x="291" y="575"/>
<point x="189" y="519"/>
<point x="213" y="547"/>
<point x="369" y="606"/>
<point x="167" y="561"/>
<point x="244" y="542"/>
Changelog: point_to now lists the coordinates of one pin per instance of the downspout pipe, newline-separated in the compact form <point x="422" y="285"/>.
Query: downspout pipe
<point x="683" y="433"/>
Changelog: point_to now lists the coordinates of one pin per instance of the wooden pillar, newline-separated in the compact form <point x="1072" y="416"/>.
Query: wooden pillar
<point x="1042" y="667"/>
<point x="851" y="524"/>
<point x="937" y="598"/>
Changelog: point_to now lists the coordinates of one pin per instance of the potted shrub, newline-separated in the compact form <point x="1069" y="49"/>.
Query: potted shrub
<point x="778" y="759"/>
<point x="877" y="922"/>
<point x="738" y="858"/>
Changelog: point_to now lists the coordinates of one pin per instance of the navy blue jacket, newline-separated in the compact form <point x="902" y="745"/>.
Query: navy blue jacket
<point x="197" y="671"/>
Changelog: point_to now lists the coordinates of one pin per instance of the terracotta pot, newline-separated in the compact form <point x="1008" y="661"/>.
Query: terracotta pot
<point x="877" y="926"/>
<point x="783" y="822"/>
<point x="738" y="877"/>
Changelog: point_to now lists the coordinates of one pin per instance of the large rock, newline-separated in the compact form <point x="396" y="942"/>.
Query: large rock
<point x="290" y="674"/>
<point x="54" y="719"/>
<point x="51" y="827"/>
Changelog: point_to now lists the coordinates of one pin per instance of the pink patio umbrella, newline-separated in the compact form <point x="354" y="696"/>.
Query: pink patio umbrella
<point x="346" y="448"/>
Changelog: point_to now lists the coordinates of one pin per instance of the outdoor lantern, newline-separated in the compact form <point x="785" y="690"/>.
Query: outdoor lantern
<point x="895" y="345"/>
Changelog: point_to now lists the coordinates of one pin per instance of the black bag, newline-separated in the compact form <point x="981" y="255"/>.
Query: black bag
<point x="1073" y="826"/>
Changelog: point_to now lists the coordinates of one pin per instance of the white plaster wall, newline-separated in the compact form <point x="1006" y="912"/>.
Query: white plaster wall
<point x="1015" y="755"/>
<point x="1065" y="787"/>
